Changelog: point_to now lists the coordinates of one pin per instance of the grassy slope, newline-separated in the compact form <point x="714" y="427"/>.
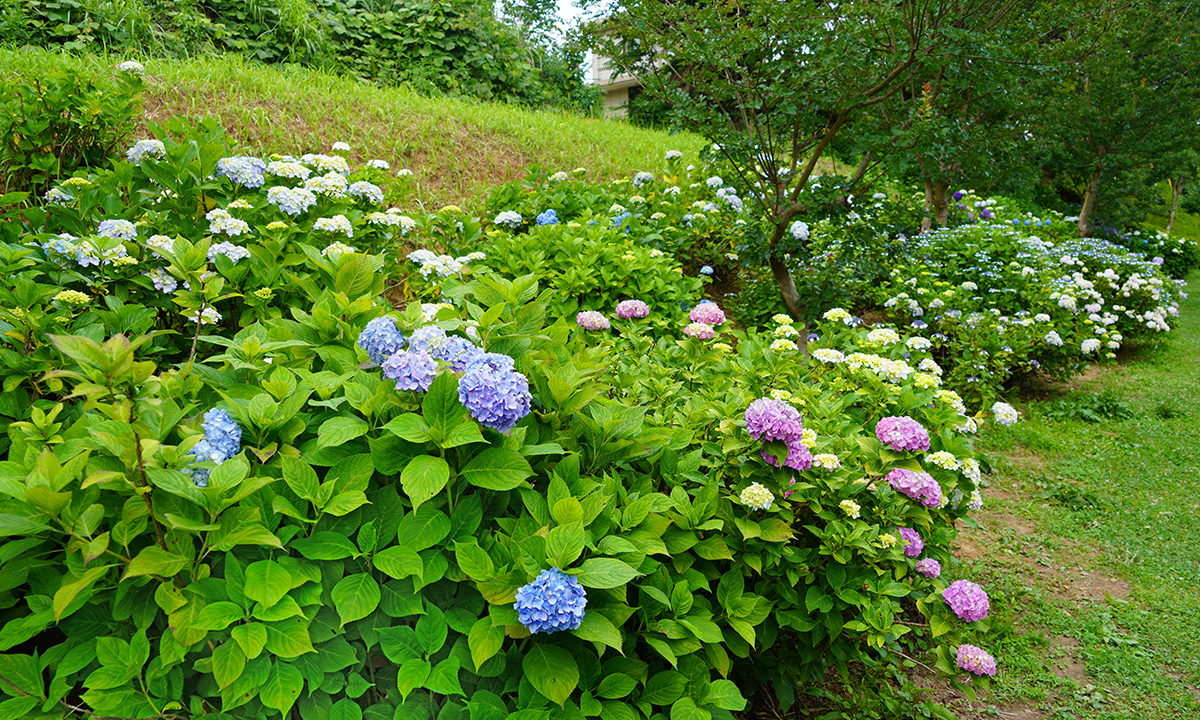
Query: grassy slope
<point x="1089" y="547"/>
<point x="456" y="148"/>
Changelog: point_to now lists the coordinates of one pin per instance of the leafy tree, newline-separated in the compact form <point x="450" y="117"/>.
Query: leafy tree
<point x="773" y="83"/>
<point x="1129" y="99"/>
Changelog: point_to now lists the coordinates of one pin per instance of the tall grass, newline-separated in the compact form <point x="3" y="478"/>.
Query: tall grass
<point x="456" y="148"/>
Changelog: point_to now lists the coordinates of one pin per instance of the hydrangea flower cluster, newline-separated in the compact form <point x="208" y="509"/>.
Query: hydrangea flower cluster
<point x="364" y="189"/>
<point x="547" y="218"/>
<point x="292" y="201"/>
<point x="220" y="221"/>
<point x="229" y="250"/>
<point x="708" y="313"/>
<point x="771" y="420"/>
<point x="457" y="352"/>
<point x="222" y="440"/>
<point x="443" y="265"/>
<point x="699" y="330"/>
<point x="163" y="281"/>
<point x="133" y="67"/>
<point x="380" y="338"/>
<point x="554" y="601"/>
<point x="142" y="148"/>
<point x="495" y="394"/>
<point x="117" y="228"/>
<point x="337" y="249"/>
<point x="326" y="163"/>
<point x="975" y="660"/>
<point x="335" y="224"/>
<point x="968" y="601"/>
<point x="631" y="309"/>
<point x="411" y="369"/>
<point x="592" y="320"/>
<point x="851" y="508"/>
<point x="247" y="171"/>
<point x="288" y="169"/>
<point x="508" y="218"/>
<point x="1005" y="414"/>
<point x="913" y="544"/>
<point x="757" y="497"/>
<point x="916" y="485"/>
<point x="902" y="433"/>
<point x="929" y="567"/>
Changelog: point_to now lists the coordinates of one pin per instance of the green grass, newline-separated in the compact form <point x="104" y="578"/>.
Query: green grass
<point x="1118" y="500"/>
<point x="456" y="148"/>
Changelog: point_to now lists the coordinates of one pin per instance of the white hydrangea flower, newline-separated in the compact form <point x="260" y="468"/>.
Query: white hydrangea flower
<point x="757" y="497"/>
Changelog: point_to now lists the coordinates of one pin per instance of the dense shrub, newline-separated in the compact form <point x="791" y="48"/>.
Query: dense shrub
<point x="58" y="123"/>
<point x="222" y="504"/>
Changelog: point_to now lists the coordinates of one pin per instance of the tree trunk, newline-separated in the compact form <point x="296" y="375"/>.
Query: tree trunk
<point x="927" y="221"/>
<point x="1089" y="203"/>
<point x="941" y="206"/>
<point x="1176" y="197"/>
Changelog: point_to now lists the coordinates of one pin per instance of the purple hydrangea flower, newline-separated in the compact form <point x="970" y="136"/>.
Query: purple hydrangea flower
<point x="592" y="320"/>
<point x="917" y="485"/>
<point x="411" y="369"/>
<point x="629" y="309"/>
<point x="768" y="419"/>
<point x="913" y="544"/>
<point x="708" y="313"/>
<point x="975" y="660"/>
<point x="902" y="433"/>
<point x="553" y="601"/>
<point x="459" y="352"/>
<point x="699" y="330"/>
<point x="495" y="394"/>
<point x="985" y="214"/>
<point x="799" y="457"/>
<point x="380" y="338"/>
<point x="968" y="601"/>
<point x="929" y="567"/>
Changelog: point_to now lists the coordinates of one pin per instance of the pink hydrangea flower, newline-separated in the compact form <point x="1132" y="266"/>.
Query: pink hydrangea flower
<point x="917" y="485"/>
<point x="592" y="320"/>
<point x="968" y="601"/>
<point x="929" y="567"/>
<point x="902" y="433"/>
<point x="632" y="309"/>
<point x="699" y="330"/>
<point x="708" y="313"/>
<point x="913" y="544"/>
<point x="975" y="660"/>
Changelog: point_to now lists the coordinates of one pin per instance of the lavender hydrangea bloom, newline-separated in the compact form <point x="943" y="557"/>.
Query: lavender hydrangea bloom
<point x="975" y="660"/>
<point x="917" y="485"/>
<point x="629" y="309"/>
<point x="799" y="457"/>
<point x="117" y="228"/>
<point x="411" y="369"/>
<point x="700" y="331"/>
<point x="494" y="393"/>
<point x="708" y="313"/>
<point x="458" y="352"/>
<point x="553" y="601"/>
<point x="913" y="544"/>
<point x="929" y="567"/>
<point x="902" y="433"/>
<point x="768" y="419"/>
<point x="592" y="320"/>
<point x="222" y="440"/>
<point x="968" y="601"/>
<point x="380" y="338"/>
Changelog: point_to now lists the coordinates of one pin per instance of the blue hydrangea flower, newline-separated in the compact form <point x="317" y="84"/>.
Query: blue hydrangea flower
<point x="411" y="369"/>
<point x="553" y="601"/>
<point x="222" y="440"/>
<point x="706" y="270"/>
<point x="494" y="393"/>
<point x="458" y="352"/>
<point x="547" y="218"/>
<point x="380" y="338"/>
